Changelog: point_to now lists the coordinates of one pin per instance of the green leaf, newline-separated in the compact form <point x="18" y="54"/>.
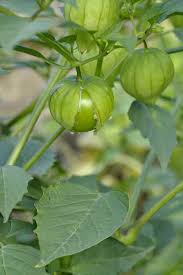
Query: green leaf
<point x="15" y="231"/>
<point x="158" y="126"/>
<point x="109" y="257"/>
<point x="152" y="14"/>
<point x="19" y="7"/>
<point x="179" y="33"/>
<point x="170" y="7"/>
<point x="164" y="232"/>
<point x="53" y="44"/>
<point x="159" y="12"/>
<point x="22" y="231"/>
<point x="127" y="41"/>
<point x="37" y="54"/>
<point x="167" y="260"/>
<point x="40" y="167"/>
<point x="90" y="182"/>
<point x="13" y="185"/>
<point x="30" y="52"/>
<point x="14" y="29"/>
<point x="18" y="259"/>
<point x="72" y="218"/>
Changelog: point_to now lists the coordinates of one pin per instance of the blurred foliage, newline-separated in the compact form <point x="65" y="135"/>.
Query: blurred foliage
<point x="113" y="156"/>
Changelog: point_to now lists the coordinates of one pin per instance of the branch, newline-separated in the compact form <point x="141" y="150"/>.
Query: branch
<point x="174" y="50"/>
<point x="43" y="149"/>
<point x="34" y="117"/>
<point x="133" y="232"/>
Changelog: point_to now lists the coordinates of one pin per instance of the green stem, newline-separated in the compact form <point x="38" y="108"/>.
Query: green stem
<point x="100" y="60"/>
<point x="99" y="66"/>
<point x="36" y="14"/>
<point x="145" y="44"/>
<point x="133" y="232"/>
<point x="35" y="115"/>
<point x="174" y="50"/>
<point x="137" y="189"/>
<point x="79" y="75"/>
<point x="43" y="149"/>
<point x="26" y="111"/>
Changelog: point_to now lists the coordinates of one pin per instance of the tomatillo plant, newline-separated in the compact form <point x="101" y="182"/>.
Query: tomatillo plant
<point x="110" y="200"/>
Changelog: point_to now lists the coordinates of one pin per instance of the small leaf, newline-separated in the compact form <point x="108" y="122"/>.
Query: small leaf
<point x="18" y="259"/>
<point x="72" y="218"/>
<point x="158" y="126"/>
<point x="13" y="185"/>
<point x="109" y="257"/>
<point x="15" y="29"/>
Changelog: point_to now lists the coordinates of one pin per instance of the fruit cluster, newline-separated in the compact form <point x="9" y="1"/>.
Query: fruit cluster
<point x="85" y="104"/>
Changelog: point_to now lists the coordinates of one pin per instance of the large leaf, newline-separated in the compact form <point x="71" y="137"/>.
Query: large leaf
<point x="19" y="7"/>
<point x="72" y="218"/>
<point x="109" y="257"/>
<point x="91" y="182"/>
<point x="14" y="29"/>
<point x="19" y="259"/>
<point x="13" y="185"/>
<point x="158" y="126"/>
<point x="41" y="166"/>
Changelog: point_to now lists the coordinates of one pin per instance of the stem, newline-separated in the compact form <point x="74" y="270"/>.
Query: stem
<point x="27" y="110"/>
<point x="35" y="115"/>
<point x="174" y="50"/>
<point x="43" y="149"/>
<point x="133" y="232"/>
<point x="137" y="189"/>
<point x="99" y="66"/>
<point x="36" y="14"/>
<point x="79" y="75"/>
<point x="102" y="50"/>
<point x="145" y="44"/>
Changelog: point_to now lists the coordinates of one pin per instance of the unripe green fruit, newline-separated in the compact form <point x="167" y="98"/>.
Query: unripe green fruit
<point x="177" y="21"/>
<point x="81" y="105"/>
<point x="95" y="15"/>
<point x="111" y="63"/>
<point x="146" y="73"/>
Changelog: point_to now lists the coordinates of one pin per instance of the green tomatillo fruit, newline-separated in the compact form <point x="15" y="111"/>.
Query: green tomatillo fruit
<point x="96" y="15"/>
<point x="81" y="105"/>
<point x="111" y="65"/>
<point x="146" y="73"/>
